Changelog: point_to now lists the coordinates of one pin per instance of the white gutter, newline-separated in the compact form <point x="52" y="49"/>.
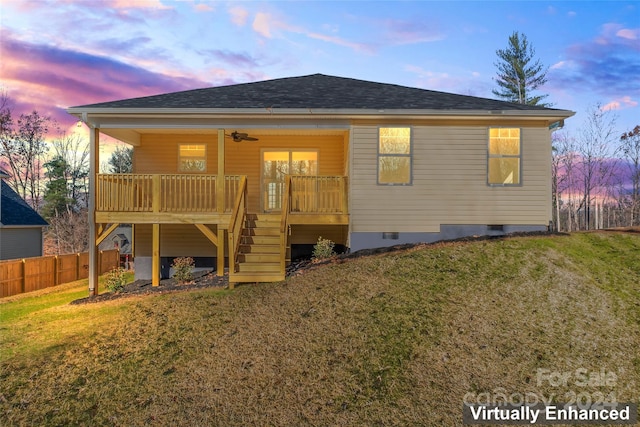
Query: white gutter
<point x="234" y="112"/>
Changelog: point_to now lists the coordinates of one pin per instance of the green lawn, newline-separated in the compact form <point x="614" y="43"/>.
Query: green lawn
<point x="394" y="339"/>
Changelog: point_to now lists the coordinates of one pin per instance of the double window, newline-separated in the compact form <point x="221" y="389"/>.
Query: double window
<point x="505" y="157"/>
<point x="394" y="156"/>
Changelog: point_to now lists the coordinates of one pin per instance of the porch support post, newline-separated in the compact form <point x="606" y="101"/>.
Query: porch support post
<point x="220" y="247"/>
<point x="94" y="162"/>
<point x="220" y="196"/>
<point x="155" y="255"/>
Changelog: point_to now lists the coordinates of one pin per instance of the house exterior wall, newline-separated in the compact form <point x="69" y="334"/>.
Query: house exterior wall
<point x="449" y="186"/>
<point x="20" y="242"/>
<point x="175" y="240"/>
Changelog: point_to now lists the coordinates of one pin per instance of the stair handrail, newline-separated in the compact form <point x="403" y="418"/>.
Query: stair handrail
<point x="238" y="215"/>
<point x="284" y="222"/>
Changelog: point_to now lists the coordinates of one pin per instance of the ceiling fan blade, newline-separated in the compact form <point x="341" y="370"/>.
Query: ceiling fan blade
<point x="240" y="136"/>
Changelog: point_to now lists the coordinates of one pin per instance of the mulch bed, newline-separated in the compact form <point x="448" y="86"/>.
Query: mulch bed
<point x="201" y="280"/>
<point x="204" y="280"/>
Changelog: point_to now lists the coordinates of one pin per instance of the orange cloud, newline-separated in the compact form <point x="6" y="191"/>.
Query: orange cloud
<point x="262" y="24"/>
<point x="629" y="34"/>
<point x="620" y="104"/>
<point x="139" y="4"/>
<point x="265" y="24"/>
<point x="239" y="15"/>
<point x="202" y="7"/>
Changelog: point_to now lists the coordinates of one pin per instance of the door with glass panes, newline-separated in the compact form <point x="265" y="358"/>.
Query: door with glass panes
<point x="278" y="163"/>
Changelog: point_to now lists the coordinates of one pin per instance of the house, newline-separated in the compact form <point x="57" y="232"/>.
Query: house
<point x="21" y="227"/>
<point x="244" y="172"/>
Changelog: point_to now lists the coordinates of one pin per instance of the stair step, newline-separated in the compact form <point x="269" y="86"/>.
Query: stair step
<point x="258" y="257"/>
<point x="259" y="267"/>
<point x="259" y="249"/>
<point x="260" y="240"/>
<point x="262" y="220"/>
<point x="255" y="277"/>
<point x="262" y="231"/>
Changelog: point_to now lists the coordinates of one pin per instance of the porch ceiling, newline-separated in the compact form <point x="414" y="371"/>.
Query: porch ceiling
<point x="132" y="136"/>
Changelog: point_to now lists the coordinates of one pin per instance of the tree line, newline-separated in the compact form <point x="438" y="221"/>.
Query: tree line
<point x="596" y="175"/>
<point x="52" y="177"/>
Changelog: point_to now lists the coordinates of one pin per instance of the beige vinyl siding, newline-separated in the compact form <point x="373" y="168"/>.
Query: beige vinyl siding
<point x="449" y="182"/>
<point x="158" y="153"/>
<point x="175" y="240"/>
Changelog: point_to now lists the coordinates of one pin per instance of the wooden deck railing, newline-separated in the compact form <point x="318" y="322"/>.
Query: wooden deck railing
<point x="162" y="192"/>
<point x="284" y="223"/>
<point x="238" y="215"/>
<point x="318" y="194"/>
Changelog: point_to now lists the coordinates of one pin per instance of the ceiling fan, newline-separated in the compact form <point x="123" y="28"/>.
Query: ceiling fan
<point x="240" y="136"/>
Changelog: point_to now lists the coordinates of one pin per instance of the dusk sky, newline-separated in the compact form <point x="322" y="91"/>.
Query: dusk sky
<point x="60" y="53"/>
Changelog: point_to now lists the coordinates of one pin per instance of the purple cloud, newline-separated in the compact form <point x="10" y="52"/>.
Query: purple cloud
<point x="607" y="65"/>
<point x="49" y="79"/>
<point x="409" y="32"/>
<point x="235" y="59"/>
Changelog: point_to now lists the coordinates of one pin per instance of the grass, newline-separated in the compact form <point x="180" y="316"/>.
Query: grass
<point x="393" y="339"/>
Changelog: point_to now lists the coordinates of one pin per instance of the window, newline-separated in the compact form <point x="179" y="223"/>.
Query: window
<point x="505" y="157"/>
<point x="192" y="158"/>
<point x="394" y="156"/>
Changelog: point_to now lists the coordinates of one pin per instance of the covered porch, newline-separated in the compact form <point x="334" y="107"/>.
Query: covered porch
<point x="223" y="205"/>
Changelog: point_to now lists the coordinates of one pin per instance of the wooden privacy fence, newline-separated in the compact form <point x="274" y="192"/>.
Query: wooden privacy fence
<point x="30" y="274"/>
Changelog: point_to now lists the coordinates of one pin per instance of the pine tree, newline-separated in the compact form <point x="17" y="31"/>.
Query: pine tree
<point x="56" y="193"/>
<point x="519" y="74"/>
<point x="121" y="161"/>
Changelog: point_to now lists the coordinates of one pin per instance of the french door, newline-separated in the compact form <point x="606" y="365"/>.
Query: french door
<point x="278" y="163"/>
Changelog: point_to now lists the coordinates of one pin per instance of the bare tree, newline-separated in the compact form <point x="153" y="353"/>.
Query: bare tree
<point x="6" y="126"/>
<point x="558" y="177"/>
<point x="597" y="157"/>
<point x="630" y="149"/>
<point x="74" y="150"/>
<point x="68" y="232"/>
<point x="565" y="159"/>
<point x="22" y="147"/>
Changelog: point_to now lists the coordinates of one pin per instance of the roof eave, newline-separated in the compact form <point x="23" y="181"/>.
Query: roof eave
<point x="84" y="113"/>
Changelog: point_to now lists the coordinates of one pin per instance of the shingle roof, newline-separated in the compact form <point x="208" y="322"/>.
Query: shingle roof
<point x="15" y="211"/>
<point x="316" y="91"/>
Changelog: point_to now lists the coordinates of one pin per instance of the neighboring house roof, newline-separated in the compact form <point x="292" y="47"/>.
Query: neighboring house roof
<point x="15" y="211"/>
<point x="316" y="91"/>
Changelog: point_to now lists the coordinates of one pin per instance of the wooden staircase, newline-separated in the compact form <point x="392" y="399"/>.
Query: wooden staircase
<point x="260" y="252"/>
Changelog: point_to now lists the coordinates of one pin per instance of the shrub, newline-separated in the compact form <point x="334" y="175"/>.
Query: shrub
<point x="323" y="249"/>
<point x="116" y="279"/>
<point x="183" y="269"/>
